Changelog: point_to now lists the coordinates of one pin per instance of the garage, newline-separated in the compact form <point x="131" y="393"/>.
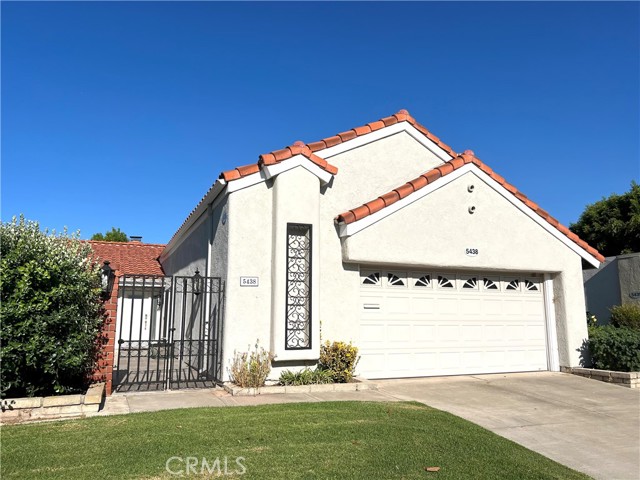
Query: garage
<point x="423" y="323"/>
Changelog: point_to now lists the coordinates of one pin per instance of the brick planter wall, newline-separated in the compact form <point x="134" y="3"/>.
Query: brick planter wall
<point x="18" y="410"/>
<point x="624" y="379"/>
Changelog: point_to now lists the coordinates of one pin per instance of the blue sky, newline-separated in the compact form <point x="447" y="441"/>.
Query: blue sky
<point x="123" y="114"/>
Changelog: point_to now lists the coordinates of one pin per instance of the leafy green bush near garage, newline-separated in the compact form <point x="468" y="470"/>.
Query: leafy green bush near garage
<point x="615" y="348"/>
<point x="627" y="315"/>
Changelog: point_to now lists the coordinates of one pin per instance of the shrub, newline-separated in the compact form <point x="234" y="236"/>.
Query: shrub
<point x="627" y="315"/>
<point x="615" y="348"/>
<point x="592" y="321"/>
<point x="51" y="311"/>
<point x="306" y="377"/>
<point x="251" y="369"/>
<point x="340" y="359"/>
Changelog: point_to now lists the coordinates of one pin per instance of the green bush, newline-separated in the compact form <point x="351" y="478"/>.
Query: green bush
<point x="627" y="315"/>
<point x="306" y="377"/>
<point x="614" y="348"/>
<point x="340" y="359"/>
<point x="50" y="309"/>
<point x="251" y="369"/>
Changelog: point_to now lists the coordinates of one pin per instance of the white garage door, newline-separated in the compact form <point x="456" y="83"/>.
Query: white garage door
<point x="438" y="323"/>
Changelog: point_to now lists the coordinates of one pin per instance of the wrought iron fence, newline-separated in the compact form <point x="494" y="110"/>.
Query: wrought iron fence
<point x="168" y="332"/>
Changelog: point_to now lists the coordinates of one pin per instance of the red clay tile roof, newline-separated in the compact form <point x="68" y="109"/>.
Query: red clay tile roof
<point x="277" y="156"/>
<point x="133" y="258"/>
<point x="300" y="148"/>
<point x="401" y="116"/>
<point x="443" y="170"/>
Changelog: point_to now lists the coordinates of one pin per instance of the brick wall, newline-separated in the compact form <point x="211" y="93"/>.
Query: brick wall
<point x="104" y="372"/>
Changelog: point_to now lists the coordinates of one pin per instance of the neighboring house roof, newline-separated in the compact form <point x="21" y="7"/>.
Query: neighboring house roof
<point x="431" y="176"/>
<point x="130" y="258"/>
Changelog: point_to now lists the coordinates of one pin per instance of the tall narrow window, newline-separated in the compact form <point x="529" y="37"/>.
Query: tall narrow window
<point x="298" y="321"/>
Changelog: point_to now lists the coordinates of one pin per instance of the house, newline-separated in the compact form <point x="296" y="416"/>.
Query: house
<point x="427" y="260"/>
<point x="616" y="282"/>
<point x="132" y="306"/>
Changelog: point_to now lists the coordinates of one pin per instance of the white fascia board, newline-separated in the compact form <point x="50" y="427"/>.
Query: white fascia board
<point x="211" y="197"/>
<point x="346" y="230"/>
<point x="383" y="133"/>
<point x="298" y="161"/>
<point x="244" y="182"/>
<point x="349" y="229"/>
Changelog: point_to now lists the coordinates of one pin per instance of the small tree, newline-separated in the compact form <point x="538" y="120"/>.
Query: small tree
<point x="114" y="235"/>
<point x="51" y="311"/>
<point x="612" y="225"/>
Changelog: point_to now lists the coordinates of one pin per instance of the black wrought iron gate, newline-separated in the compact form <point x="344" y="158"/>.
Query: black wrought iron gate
<point x="169" y="331"/>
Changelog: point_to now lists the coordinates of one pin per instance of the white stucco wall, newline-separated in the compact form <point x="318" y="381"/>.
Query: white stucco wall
<point x="247" y="309"/>
<point x="191" y="253"/>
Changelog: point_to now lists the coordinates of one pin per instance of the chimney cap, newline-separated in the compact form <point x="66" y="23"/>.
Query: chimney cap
<point x="135" y="238"/>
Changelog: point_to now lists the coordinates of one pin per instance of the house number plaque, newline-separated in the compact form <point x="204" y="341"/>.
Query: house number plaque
<point x="471" y="252"/>
<point x="249" y="281"/>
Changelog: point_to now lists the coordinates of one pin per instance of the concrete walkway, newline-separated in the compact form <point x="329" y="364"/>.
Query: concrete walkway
<point x="153" y="401"/>
<point x="587" y="425"/>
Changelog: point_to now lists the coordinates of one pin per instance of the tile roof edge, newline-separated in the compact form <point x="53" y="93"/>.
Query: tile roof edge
<point x="436" y="173"/>
<point x="312" y="147"/>
<point x="309" y="149"/>
<point x="136" y="244"/>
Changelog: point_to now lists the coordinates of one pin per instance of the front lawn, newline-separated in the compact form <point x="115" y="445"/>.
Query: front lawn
<point x="308" y="440"/>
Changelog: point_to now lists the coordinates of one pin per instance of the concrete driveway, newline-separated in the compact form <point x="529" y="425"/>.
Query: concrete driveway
<point x="585" y="424"/>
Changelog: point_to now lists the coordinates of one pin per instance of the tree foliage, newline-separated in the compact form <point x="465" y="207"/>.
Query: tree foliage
<point x="612" y="225"/>
<point x="51" y="311"/>
<point x="114" y="235"/>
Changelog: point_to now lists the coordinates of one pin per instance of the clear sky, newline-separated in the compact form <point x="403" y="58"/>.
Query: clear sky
<point x="123" y="114"/>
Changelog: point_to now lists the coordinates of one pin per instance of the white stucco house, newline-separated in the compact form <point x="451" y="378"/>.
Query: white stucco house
<point x="427" y="260"/>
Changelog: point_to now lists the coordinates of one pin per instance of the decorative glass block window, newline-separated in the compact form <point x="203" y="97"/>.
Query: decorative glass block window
<point x="470" y="283"/>
<point x="530" y="286"/>
<point x="423" y="281"/>
<point x="371" y="279"/>
<point x="489" y="284"/>
<point x="298" y="309"/>
<point x="513" y="285"/>
<point x="394" y="280"/>
<point x="444" y="282"/>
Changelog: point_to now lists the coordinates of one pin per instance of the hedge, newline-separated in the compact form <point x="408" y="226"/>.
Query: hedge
<point x="615" y="348"/>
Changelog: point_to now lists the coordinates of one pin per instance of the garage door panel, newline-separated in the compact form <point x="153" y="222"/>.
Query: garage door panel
<point x="372" y="333"/>
<point x="422" y="305"/>
<point x="417" y="330"/>
<point x="424" y="334"/>
<point x="399" y="333"/>
<point x="492" y="307"/>
<point x="447" y="306"/>
<point x="469" y="307"/>
<point x="471" y="333"/>
<point x="397" y="305"/>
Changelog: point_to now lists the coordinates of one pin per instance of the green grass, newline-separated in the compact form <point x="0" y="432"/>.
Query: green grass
<point x="339" y="440"/>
